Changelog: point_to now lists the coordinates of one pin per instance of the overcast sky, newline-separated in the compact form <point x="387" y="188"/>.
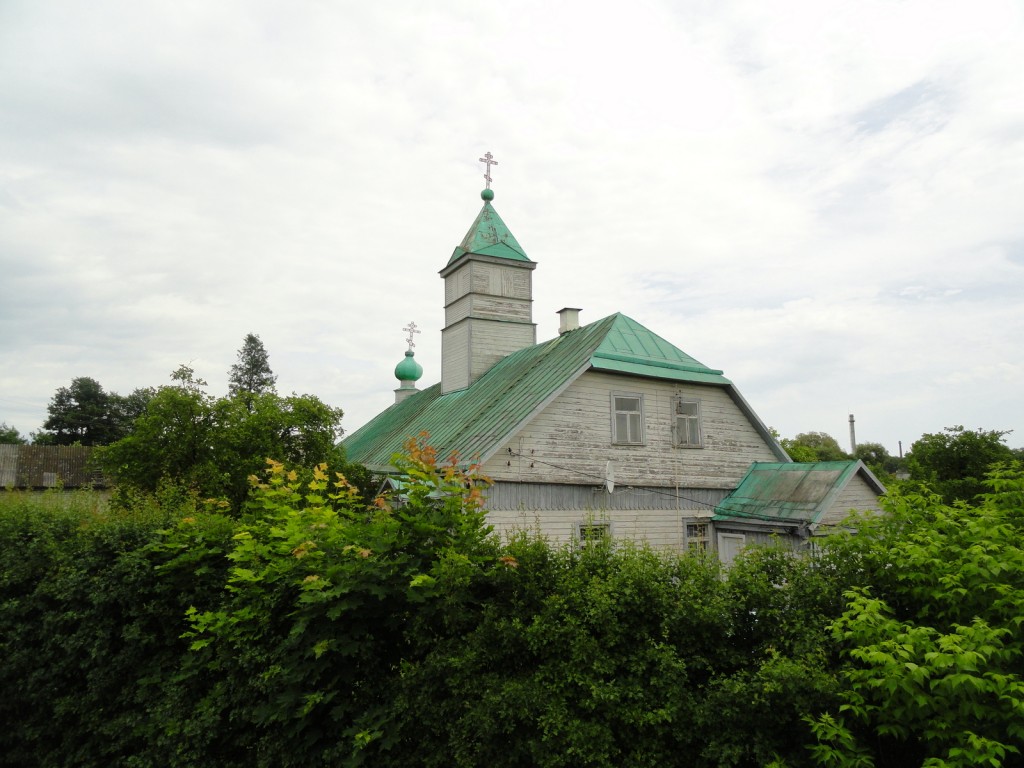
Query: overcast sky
<point x="825" y="200"/>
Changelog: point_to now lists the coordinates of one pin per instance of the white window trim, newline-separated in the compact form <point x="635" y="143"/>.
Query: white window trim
<point x="676" y="442"/>
<point x="614" y="412"/>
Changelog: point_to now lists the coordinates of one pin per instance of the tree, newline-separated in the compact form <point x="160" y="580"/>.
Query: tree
<point x="251" y="375"/>
<point x="814" y="446"/>
<point x="189" y="438"/>
<point x="125" y="409"/>
<point x="878" y="459"/>
<point x="299" y="430"/>
<point x="934" y="656"/>
<point x="172" y="439"/>
<point x="954" y="462"/>
<point x="10" y="435"/>
<point x="84" y="413"/>
<point x="313" y="638"/>
<point x="80" y="413"/>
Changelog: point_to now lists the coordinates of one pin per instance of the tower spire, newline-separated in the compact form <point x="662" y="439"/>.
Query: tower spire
<point x="488" y="293"/>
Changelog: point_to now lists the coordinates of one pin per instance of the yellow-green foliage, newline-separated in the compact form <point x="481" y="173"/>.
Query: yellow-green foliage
<point x="318" y="629"/>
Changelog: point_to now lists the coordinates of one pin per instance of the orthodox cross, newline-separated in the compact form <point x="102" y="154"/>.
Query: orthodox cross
<point x="488" y="158"/>
<point x="411" y="330"/>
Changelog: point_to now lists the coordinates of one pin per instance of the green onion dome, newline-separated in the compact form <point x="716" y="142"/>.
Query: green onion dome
<point x="408" y="369"/>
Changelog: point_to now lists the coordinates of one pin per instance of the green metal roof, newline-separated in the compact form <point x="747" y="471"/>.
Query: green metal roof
<point x="477" y="420"/>
<point x="791" y="492"/>
<point x="488" y="236"/>
<point x="630" y="348"/>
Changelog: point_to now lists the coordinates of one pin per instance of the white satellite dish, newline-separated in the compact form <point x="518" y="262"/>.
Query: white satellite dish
<point x="609" y="476"/>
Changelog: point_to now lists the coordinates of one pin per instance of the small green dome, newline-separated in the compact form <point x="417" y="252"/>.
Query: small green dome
<point x="487" y="194"/>
<point x="408" y="369"/>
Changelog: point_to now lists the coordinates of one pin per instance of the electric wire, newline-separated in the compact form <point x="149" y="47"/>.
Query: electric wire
<point x="670" y="494"/>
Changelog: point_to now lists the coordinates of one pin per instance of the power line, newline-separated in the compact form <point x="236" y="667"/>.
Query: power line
<point x="670" y="494"/>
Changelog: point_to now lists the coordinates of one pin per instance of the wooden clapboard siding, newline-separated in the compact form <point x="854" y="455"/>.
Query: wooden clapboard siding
<point x="501" y="279"/>
<point x="657" y="528"/>
<point x="488" y="278"/>
<point x="856" y="495"/>
<point x="489" y="341"/>
<point x="570" y="441"/>
<point x="488" y="315"/>
<point x="455" y="357"/>
<point x="492" y="307"/>
<point x="457" y="284"/>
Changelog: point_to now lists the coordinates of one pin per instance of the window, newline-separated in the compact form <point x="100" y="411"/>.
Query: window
<point x="687" y="423"/>
<point x="627" y="419"/>
<point x="698" y="536"/>
<point x="591" y="534"/>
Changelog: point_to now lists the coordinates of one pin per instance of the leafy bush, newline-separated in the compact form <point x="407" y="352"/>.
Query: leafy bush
<point x="934" y="670"/>
<point x="316" y="629"/>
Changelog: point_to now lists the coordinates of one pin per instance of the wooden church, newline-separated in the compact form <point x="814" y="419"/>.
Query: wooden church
<point x="605" y="430"/>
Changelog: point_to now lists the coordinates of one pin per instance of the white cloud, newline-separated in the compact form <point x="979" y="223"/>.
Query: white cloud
<point x="823" y="199"/>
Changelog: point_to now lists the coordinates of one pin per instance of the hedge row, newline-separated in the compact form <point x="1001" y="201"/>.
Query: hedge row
<point x="317" y="631"/>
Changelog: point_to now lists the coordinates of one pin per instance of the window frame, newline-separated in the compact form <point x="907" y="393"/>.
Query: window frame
<point x="677" y="402"/>
<point x="584" y="540"/>
<point x="615" y="411"/>
<point x="696" y="543"/>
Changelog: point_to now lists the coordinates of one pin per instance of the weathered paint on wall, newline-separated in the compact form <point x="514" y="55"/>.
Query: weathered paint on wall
<point x="570" y="441"/>
<point x="856" y="495"/>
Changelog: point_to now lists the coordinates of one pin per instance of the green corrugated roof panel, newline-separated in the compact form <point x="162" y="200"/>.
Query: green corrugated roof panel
<point x="796" y="492"/>
<point x="476" y="420"/>
<point x="488" y="236"/>
<point x="473" y="421"/>
<point x="628" y="347"/>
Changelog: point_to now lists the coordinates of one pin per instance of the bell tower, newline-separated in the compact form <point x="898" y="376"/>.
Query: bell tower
<point x="488" y="298"/>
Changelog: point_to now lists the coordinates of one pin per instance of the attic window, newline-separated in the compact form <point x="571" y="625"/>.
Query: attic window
<point x="627" y="419"/>
<point x="686" y="430"/>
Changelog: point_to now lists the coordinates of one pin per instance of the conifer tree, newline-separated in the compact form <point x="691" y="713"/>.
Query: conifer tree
<point x="251" y="375"/>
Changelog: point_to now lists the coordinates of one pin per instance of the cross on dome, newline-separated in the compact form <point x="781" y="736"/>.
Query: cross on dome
<point x="489" y="160"/>
<point x="411" y="330"/>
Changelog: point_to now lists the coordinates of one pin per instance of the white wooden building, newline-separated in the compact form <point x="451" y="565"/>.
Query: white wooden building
<point x="606" y="429"/>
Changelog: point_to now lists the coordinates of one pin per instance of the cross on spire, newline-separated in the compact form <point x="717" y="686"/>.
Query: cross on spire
<point x="488" y="158"/>
<point x="411" y="330"/>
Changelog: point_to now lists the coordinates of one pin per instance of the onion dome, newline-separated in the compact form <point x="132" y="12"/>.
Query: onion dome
<point x="408" y="370"/>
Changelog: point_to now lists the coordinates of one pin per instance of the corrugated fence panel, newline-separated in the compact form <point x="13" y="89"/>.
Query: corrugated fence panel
<point x="8" y="465"/>
<point x="47" y="466"/>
